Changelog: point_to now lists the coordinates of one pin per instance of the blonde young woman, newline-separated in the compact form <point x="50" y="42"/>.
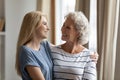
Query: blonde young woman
<point x="33" y="61"/>
<point x="72" y="60"/>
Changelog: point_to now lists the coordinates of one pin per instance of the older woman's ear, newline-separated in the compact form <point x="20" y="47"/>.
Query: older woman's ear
<point x="78" y="35"/>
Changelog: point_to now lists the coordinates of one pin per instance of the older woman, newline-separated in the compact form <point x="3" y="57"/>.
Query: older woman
<point x="72" y="60"/>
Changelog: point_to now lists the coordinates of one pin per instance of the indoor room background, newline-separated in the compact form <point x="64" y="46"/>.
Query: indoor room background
<point x="103" y="16"/>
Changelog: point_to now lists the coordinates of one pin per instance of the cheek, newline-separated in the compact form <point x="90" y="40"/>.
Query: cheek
<point x="41" y="28"/>
<point x="38" y="30"/>
<point x="73" y="34"/>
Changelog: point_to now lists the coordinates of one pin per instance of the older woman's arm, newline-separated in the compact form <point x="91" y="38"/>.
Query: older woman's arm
<point x="90" y="72"/>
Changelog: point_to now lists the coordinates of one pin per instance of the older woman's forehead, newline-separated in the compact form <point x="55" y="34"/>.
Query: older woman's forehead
<point x="69" y="21"/>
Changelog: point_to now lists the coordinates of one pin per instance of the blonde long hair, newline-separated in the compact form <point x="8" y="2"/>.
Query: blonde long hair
<point x="30" y="22"/>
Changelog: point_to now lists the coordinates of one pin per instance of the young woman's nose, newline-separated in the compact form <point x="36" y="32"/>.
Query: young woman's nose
<point x="48" y="28"/>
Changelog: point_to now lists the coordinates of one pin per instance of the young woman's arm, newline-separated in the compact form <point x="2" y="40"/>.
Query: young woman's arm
<point x="35" y="73"/>
<point x="94" y="57"/>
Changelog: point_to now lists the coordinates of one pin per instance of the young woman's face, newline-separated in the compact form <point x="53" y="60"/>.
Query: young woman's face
<point x="68" y="31"/>
<point x="42" y="29"/>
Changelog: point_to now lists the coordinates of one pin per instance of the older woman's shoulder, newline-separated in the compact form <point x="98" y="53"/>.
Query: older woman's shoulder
<point x="56" y="47"/>
<point x="88" y="52"/>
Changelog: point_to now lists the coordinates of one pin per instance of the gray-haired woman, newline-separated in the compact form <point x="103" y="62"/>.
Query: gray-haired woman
<point x="72" y="60"/>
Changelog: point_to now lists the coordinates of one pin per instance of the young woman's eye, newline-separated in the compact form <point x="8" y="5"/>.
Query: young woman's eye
<point x="44" y="23"/>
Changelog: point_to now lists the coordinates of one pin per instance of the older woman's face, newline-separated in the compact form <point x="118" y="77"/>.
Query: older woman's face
<point x="68" y="31"/>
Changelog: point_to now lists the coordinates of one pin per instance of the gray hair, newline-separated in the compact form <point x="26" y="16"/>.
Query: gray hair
<point x="81" y="25"/>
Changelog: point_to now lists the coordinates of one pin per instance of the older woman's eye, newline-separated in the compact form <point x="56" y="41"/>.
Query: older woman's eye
<point x="63" y="25"/>
<point x="67" y="27"/>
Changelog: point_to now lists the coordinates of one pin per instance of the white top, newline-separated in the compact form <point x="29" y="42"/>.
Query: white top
<point x="77" y="66"/>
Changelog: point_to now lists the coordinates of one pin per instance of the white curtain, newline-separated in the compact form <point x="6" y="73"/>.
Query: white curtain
<point x="107" y="37"/>
<point x="106" y="34"/>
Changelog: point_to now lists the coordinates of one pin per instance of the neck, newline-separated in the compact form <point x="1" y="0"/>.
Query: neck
<point x="34" y="44"/>
<point x="72" y="48"/>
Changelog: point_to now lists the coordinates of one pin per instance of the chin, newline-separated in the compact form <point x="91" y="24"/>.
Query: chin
<point x="44" y="37"/>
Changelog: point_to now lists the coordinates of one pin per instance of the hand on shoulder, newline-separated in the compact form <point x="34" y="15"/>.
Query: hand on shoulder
<point x="94" y="57"/>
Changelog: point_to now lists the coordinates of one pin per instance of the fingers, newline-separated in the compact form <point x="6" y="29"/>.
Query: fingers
<point x="94" y="57"/>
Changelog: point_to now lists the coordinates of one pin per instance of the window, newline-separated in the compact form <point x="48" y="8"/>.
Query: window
<point x="62" y="8"/>
<point x="93" y="26"/>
